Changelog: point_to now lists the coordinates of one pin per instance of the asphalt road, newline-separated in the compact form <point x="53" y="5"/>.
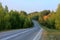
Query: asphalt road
<point x="21" y="34"/>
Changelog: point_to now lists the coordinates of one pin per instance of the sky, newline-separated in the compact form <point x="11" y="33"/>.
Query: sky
<point x="31" y="5"/>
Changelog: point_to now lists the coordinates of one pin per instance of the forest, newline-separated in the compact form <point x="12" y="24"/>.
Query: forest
<point x="16" y="20"/>
<point x="13" y="19"/>
<point x="48" y="18"/>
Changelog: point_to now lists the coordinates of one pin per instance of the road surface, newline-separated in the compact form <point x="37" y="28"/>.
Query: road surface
<point x="22" y="34"/>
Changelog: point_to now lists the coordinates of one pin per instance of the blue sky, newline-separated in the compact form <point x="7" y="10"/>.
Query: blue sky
<point x="31" y="5"/>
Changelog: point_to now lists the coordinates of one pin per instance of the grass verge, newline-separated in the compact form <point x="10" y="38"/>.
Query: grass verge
<point x="50" y="34"/>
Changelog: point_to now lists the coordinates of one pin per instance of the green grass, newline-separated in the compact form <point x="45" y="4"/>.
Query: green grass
<point x="50" y="34"/>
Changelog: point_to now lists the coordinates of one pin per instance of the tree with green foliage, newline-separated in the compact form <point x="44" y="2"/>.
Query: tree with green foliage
<point x="23" y="13"/>
<point x="57" y="16"/>
<point x="7" y="24"/>
<point x="50" y="22"/>
<point x="45" y="12"/>
<point x="1" y="16"/>
<point x="13" y="19"/>
<point x="6" y="9"/>
<point x="28" y="23"/>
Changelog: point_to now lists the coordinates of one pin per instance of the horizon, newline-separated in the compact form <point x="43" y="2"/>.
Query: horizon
<point x="31" y="6"/>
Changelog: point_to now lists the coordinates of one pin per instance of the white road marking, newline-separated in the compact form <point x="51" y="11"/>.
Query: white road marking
<point x="38" y="36"/>
<point x="6" y="38"/>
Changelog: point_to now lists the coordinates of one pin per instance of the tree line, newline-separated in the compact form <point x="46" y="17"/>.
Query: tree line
<point x="13" y="19"/>
<point x="47" y="18"/>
